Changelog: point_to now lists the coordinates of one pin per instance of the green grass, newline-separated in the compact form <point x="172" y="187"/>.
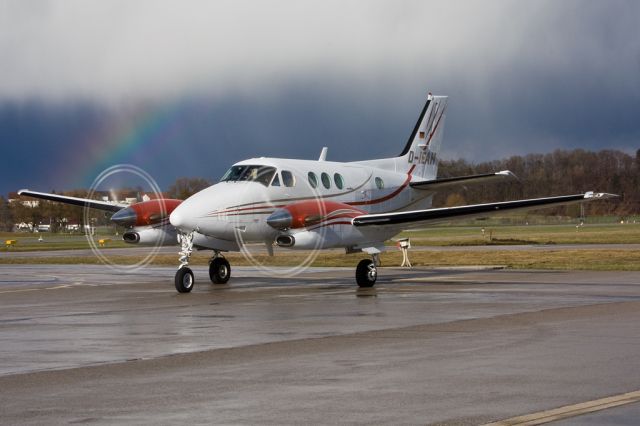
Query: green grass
<point x="457" y="236"/>
<point x="29" y="241"/>
<point x="434" y="236"/>
<point x="596" y="260"/>
<point x="527" y="234"/>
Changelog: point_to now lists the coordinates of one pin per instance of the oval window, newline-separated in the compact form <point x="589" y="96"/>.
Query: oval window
<point x="326" y="180"/>
<point x="379" y="183"/>
<point x="337" y="178"/>
<point x="313" y="179"/>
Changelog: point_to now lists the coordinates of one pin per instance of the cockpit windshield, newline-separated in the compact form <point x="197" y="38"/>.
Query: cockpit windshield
<point x="261" y="174"/>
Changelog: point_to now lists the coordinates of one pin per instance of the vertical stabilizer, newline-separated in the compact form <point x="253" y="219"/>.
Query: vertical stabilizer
<point x="423" y="147"/>
<point x="420" y="153"/>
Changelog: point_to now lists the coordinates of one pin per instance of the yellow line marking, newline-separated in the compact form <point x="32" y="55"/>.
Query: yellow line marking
<point x="567" y="411"/>
<point x="19" y="290"/>
<point x="58" y="287"/>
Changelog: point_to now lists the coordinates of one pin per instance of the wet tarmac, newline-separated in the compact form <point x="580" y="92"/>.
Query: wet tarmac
<point x="86" y="344"/>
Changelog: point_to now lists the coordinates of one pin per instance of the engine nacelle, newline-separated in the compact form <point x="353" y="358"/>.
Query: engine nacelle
<point x="307" y="213"/>
<point x="165" y="236"/>
<point x="310" y="240"/>
<point x="145" y="213"/>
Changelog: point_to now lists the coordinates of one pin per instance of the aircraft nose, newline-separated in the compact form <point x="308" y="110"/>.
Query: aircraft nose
<point x="177" y="218"/>
<point x="125" y="217"/>
<point x="280" y="219"/>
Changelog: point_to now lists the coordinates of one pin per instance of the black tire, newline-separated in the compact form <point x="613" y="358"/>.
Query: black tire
<point x="184" y="280"/>
<point x="219" y="270"/>
<point x="366" y="273"/>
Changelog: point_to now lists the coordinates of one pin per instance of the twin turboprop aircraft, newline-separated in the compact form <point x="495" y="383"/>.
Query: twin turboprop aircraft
<point x="311" y="205"/>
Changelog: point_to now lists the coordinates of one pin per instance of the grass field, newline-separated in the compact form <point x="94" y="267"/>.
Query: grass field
<point x="435" y="236"/>
<point x="29" y="241"/>
<point x="526" y="234"/>
<point x="458" y="236"/>
<point x="598" y="260"/>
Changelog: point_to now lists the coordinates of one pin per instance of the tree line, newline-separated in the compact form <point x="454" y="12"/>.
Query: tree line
<point x="539" y="175"/>
<point x="557" y="173"/>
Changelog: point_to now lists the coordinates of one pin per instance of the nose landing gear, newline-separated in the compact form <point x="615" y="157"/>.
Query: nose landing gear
<point x="184" y="275"/>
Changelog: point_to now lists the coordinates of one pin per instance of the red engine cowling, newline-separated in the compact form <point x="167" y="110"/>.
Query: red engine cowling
<point x="145" y="213"/>
<point x="311" y="212"/>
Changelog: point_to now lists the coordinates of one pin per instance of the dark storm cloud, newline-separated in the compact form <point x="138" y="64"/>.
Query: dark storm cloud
<point x="257" y="79"/>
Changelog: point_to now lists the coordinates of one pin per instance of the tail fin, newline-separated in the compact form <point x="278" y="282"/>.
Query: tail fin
<point x="420" y="154"/>
<point x="423" y="146"/>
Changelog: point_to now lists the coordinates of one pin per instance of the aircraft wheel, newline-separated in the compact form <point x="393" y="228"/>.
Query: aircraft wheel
<point x="366" y="273"/>
<point x="184" y="280"/>
<point x="219" y="270"/>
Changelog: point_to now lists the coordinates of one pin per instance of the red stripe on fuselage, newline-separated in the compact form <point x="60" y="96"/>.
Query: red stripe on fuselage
<point x="386" y="197"/>
<point x="353" y="203"/>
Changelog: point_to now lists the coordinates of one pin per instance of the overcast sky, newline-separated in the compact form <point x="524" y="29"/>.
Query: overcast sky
<point x="193" y="86"/>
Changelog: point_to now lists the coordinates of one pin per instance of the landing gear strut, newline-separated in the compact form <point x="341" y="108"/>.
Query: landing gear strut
<point x="367" y="271"/>
<point x="219" y="269"/>
<point x="184" y="275"/>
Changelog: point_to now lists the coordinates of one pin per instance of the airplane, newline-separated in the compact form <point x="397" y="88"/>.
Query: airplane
<point x="312" y="205"/>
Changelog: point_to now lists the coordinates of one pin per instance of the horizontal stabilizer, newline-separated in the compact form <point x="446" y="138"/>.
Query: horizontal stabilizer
<point x="417" y="218"/>
<point x="75" y="201"/>
<point x="462" y="180"/>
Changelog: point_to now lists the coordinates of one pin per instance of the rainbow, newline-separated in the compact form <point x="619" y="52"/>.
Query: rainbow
<point x="132" y="139"/>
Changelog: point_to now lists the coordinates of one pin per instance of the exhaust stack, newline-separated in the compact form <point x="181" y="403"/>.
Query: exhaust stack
<point x="285" y="240"/>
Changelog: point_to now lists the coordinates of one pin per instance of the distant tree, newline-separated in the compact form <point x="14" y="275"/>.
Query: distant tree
<point x="556" y="173"/>
<point x="185" y="187"/>
<point x="6" y="216"/>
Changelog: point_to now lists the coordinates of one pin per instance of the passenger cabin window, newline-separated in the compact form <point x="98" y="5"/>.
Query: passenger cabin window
<point x="260" y="174"/>
<point x="288" y="179"/>
<point x="275" y="181"/>
<point x="379" y="183"/>
<point x="326" y="180"/>
<point x="338" y="180"/>
<point x="313" y="179"/>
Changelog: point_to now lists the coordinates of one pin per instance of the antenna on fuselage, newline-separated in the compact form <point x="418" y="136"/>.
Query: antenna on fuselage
<point x="323" y="154"/>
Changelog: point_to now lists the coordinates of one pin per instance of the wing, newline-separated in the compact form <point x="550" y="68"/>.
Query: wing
<point x="462" y="180"/>
<point x="82" y="202"/>
<point x="418" y="218"/>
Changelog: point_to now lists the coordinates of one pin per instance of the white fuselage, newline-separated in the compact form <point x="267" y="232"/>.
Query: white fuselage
<point x="237" y="209"/>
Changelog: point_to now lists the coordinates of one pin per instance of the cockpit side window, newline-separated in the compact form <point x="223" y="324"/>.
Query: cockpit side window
<point x="275" y="181"/>
<point x="288" y="179"/>
<point x="261" y="174"/>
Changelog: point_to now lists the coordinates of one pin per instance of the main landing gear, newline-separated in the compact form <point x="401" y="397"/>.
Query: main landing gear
<point x="219" y="268"/>
<point x="367" y="271"/>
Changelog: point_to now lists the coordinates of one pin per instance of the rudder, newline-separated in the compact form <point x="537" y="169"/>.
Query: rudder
<point x="424" y="144"/>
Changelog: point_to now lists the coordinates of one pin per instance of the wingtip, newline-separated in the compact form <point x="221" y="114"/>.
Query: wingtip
<point x="507" y="174"/>
<point x="599" y="195"/>
<point x="20" y="192"/>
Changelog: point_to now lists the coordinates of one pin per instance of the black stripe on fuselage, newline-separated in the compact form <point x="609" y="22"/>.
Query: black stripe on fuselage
<point x="415" y="129"/>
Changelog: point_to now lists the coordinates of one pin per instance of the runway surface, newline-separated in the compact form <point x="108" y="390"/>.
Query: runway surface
<point x="84" y="344"/>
